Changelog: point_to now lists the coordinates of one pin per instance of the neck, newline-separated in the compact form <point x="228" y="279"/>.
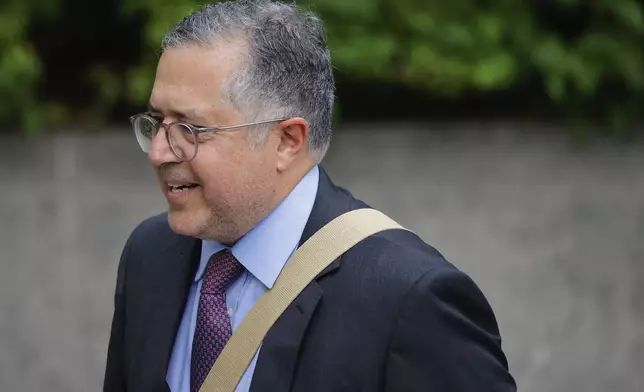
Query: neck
<point x="287" y="181"/>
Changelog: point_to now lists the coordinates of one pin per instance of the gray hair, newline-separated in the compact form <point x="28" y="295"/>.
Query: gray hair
<point x="288" y="72"/>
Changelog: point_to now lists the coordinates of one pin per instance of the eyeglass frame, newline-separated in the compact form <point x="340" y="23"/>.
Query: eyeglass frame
<point x="195" y="130"/>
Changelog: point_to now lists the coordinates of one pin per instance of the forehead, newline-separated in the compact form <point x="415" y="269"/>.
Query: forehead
<point x="190" y="77"/>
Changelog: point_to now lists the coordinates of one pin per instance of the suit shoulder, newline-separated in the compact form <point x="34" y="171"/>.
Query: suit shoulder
<point x="404" y="263"/>
<point x="153" y="230"/>
<point x="396" y="259"/>
<point x="404" y="251"/>
<point x="151" y="227"/>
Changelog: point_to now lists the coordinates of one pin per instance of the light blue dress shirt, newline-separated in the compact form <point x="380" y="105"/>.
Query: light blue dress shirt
<point x="263" y="252"/>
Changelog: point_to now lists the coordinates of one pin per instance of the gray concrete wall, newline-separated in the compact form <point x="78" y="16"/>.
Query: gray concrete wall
<point x="553" y="235"/>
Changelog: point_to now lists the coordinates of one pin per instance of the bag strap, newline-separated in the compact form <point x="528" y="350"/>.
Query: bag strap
<point x="318" y="252"/>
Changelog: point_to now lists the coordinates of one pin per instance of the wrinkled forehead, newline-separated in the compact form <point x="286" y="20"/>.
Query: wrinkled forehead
<point x="190" y="78"/>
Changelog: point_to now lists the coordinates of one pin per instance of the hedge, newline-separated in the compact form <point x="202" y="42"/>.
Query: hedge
<point x="586" y="54"/>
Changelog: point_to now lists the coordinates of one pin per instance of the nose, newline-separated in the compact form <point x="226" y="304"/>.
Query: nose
<point x="160" y="151"/>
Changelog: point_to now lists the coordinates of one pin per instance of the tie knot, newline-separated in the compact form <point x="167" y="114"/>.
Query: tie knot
<point x="222" y="269"/>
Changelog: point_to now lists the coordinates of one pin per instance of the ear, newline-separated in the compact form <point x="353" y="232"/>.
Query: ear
<point x="293" y="142"/>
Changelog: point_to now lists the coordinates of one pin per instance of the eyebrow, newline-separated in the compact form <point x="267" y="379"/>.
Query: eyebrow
<point x="189" y="116"/>
<point x="186" y="114"/>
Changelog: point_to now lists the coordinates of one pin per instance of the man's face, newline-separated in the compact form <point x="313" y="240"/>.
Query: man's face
<point x="230" y="183"/>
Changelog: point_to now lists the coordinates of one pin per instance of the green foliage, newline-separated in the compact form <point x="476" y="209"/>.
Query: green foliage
<point x="586" y="54"/>
<point x="162" y="15"/>
<point x="20" y="67"/>
<point x="445" y="47"/>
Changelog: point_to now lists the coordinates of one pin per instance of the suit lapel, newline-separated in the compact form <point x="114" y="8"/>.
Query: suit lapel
<point x="170" y="280"/>
<point x="277" y="359"/>
<point x="278" y="354"/>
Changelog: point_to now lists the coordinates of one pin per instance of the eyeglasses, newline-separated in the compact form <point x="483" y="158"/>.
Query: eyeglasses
<point x="182" y="137"/>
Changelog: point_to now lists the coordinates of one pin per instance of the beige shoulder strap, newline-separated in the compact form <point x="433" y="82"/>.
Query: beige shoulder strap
<point x="307" y="262"/>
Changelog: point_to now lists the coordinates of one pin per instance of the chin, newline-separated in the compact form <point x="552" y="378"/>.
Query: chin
<point x="185" y="224"/>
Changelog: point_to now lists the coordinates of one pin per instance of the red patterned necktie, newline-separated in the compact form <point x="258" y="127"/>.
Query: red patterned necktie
<point x="213" y="328"/>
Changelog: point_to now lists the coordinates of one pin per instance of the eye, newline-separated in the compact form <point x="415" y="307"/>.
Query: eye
<point x="204" y="136"/>
<point x="158" y="117"/>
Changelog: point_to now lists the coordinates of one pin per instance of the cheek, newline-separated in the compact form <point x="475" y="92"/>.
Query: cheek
<point x="233" y="173"/>
<point x="220" y="181"/>
<point x="210" y="175"/>
<point x="215" y="186"/>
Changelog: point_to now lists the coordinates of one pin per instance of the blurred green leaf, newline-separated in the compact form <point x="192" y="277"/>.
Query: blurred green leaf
<point x="139" y="84"/>
<point x="494" y="71"/>
<point x="490" y="27"/>
<point x="360" y="9"/>
<point x="422" y="23"/>
<point x="556" y="87"/>
<point x="371" y="53"/>
<point x="630" y="12"/>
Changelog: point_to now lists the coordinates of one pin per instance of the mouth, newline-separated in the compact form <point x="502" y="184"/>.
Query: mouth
<point x="176" y="190"/>
<point x="179" y="188"/>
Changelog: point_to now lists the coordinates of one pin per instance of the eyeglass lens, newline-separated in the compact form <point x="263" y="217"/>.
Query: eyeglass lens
<point x="180" y="137"/>
<point x="182" y="141"/>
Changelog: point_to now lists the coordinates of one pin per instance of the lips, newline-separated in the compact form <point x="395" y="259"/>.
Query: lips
<point x="180" y="187"/>
<point x="176" y="184"/>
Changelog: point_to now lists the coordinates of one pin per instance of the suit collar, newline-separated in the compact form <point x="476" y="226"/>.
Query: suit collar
<point x="331" y="201"/>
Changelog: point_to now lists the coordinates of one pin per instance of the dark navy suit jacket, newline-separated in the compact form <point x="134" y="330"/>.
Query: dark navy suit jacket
<point x="390" y="315"/>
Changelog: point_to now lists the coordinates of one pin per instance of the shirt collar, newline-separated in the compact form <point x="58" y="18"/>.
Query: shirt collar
<point x="264" y="250"/>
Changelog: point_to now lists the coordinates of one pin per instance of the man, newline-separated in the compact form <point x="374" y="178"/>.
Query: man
<point x="240" y="117"/>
